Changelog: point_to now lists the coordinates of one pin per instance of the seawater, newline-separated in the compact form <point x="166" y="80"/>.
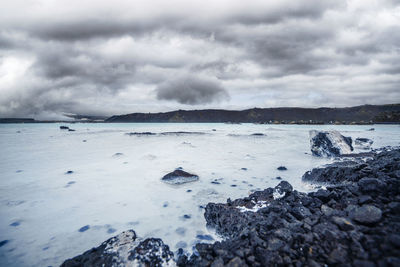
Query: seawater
<point x="116" y="181"/>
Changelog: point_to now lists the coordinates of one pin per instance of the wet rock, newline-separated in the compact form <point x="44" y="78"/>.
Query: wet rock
<point x="15" y="224"/>
<point x="329" y="143"/>
<point x="179" y="133"/>
<point x="205" y="237"/>
<point x="151" y="252"/>
<point x="3" y="242"/>
<point x="363" y="143"/>
<point x="62" y="127"/>
<point x="125" y="250"/>
<point x="258" y="134"/>
<point x="367" y="214"/>
<point x="111" y="230"/>
<point x="69" y="172"/>
<point x="141" y="134"/>
<point x="281" y="168"/>
<point x="301" y="212"/>
<point x="71" y="130"/>
<point x="178" y="177"/>
<point x="84" y="228"/>
<point x="180" y="231"/>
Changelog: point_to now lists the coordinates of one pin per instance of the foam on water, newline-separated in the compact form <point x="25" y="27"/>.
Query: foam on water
<point x="116" y="184"/>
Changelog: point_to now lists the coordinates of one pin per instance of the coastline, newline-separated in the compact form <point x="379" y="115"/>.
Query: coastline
<point x="353" y="222"/>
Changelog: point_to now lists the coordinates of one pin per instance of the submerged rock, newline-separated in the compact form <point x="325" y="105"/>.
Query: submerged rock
<point x="363" y="143"/>
<point x="178" y="177"/>
<point x="329" y="143"/>
<point x="3" y="242"/>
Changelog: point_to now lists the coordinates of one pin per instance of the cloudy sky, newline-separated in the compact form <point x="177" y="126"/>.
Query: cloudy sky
<point x="102" y="57"/>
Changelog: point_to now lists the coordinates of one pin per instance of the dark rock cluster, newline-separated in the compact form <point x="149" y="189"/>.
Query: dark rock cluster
<point x="354" y="222"/>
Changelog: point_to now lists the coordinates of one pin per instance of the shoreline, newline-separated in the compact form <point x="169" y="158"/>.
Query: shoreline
<point x="355" y="221"/>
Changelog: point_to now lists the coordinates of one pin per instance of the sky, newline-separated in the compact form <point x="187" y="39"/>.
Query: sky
<point x="97" y="57"/>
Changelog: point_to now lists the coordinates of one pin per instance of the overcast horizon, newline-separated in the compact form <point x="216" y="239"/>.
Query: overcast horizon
<point x="116" y="57"/>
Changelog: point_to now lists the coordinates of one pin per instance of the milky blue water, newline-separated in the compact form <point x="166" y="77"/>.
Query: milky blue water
<point x="48" y="216"/>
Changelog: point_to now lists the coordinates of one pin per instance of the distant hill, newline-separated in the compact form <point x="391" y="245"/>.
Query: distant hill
<point x="358" y="115"/>
<point x="16" y="120"/>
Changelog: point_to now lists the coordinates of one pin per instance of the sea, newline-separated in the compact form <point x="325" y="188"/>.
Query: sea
<point x="63" y="192"/>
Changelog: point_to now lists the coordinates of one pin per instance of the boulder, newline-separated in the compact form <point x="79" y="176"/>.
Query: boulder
<point x="363" y="143"/>
<point x="125" y="250"/>
<point x="367" y="214"/>
<point x="178" y="177"/>
<point x="329" y="143"/>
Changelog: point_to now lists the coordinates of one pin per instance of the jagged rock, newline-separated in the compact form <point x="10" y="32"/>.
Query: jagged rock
<point x="151" y="252"/>
<point x="320" y="228"/>
<point x="329" y="143"/>
<point x="125" y="250"/>
<point x="178" y="177"/>
<point x="363" y="143"/>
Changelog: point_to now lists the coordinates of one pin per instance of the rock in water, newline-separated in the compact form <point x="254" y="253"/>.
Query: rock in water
<point x="363" y="143"/>
<point x="329" y="143"/>
<point x="62" y="127"/>
<point x="125" y="250"/>
<point x="178" y="177"/>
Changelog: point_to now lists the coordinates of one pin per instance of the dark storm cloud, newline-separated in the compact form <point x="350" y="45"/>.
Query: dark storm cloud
<point x="192" y="90"/>
<point x="123" y="56"/>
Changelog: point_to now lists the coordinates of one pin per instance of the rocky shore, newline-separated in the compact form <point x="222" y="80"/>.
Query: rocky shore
<point x="352" y="220"/>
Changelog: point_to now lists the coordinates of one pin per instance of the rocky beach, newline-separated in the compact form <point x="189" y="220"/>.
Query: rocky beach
<point x="352" y="219"/>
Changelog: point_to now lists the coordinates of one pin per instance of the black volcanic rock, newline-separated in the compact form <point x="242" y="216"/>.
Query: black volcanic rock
<point x="124" y="250"/>
<point x="353" y="222"/>
<point x="329" y="143"/>
<point x="327" y="227"/>
<point x="281" y="168"/>
<point x="363" y="143"/>
<point x="178" y="177"/>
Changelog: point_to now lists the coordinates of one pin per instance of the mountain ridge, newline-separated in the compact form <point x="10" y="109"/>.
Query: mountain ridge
<point x="364" y="114"/>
